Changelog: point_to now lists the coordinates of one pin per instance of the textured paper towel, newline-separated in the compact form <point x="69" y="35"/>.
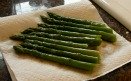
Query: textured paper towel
<point x="119" y="9"/>
<point x="27" y="68"/>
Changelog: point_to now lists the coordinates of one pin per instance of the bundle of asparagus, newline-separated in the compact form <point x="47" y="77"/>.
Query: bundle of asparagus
<point x="65" y="40"/>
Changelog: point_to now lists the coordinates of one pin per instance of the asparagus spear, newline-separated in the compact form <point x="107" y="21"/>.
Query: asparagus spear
<point x="76" y="56"/>
<point x="65" y="43"/>
<point x="58" y="22"/>
<point x="105" y="36"/>
<point x="82" y="40"/>
<point x="89" y="41"/>
<point x="29" y="30"/>
<point x="79" y="21"/>
<point x="55" y="31"/>
<point x="58" y="59"/>
<point x="66" y="48"/>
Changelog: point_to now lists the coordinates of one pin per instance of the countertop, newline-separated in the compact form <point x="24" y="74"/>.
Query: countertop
<point x="7" y="7"/>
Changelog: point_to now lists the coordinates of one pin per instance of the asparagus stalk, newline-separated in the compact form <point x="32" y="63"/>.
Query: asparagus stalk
<point x="62" y="32"/>
<point x="58" y="59"/>
<point x="82" y="40"/>
<point x="79" y="21"/>
<point x="58" y="22"/>
<point x="105" y="36"/>
<point x="87" y="40"/>
<point x="76" y="56"/>
<point x="29" y="30"/>
<point x="65" y="43"/>
<point x="66" y="48"/>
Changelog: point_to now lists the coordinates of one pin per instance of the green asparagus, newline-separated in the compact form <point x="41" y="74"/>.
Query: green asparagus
<point x="79" y="21"/>
<point x="67" y="48"/>
<point x="105" y="36"/>
<point x="82" y="40"/>
<point x="58" y="59"/>
<point x="55" y="31"/>
<point x="76" y="56"/>
<point x="60" y="42"/>
<point x="64" y="23"/>
<point x="29" y="30"/>
<point x="87" y="40"/>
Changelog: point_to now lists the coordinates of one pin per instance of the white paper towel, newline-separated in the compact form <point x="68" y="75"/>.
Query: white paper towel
<point x="27" y="68"/>
<point x="119" y="9"/>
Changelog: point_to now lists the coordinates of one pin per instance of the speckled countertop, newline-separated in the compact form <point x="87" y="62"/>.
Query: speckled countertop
<point x="5" y="7"/>
<point x="5" y="10"/>
<point x="120" y="74"/>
